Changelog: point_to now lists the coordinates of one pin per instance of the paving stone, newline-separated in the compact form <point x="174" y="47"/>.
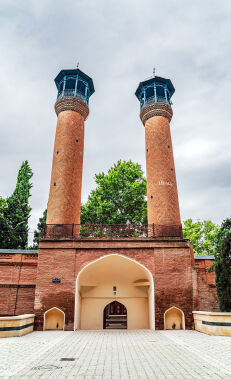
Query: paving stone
<point x="116" y="354"/>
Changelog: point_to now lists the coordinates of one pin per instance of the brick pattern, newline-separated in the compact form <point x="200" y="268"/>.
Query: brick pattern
<point x="58" y="263"/>
<point x="207" y="294"/>
<point x="66" y="179"/>
<point x="156" y="109"/>
<point x="179" y="280"/>
<point x="17" y="283"/>
<point x="169" y="261"/>
<point x="162" y="195"/>
<point x="171" y="266"/>
<point x="72" y="104"/>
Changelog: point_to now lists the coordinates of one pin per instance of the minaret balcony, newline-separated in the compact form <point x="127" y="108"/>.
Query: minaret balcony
<point x="73" y="93"/>
<point x="154" y="99"/>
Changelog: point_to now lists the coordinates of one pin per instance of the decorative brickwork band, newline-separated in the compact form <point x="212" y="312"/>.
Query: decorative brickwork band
<point x="72" y="104"/>
<point x="156" y="109"/>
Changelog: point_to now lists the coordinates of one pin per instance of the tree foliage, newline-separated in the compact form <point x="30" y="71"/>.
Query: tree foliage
<point x="222" y="266"/>
<point x="119" y="198"/>
<point x="39" y="232"/>
<point x="17" y="210"/>
<point x="3" y="224"/>
<point x="202" y="234"/>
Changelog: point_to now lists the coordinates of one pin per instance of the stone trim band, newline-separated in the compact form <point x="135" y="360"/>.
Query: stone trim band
<point x="9" y="328"/>
<point x="72" y="104"/>
<point x="156" y="109"/>
<point x="214" y="323"/>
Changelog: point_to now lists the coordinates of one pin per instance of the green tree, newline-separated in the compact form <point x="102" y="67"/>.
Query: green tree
<point x="202" y="234"/>
<point x="3" y="224"/>
<point x="17" y="212"/>
<point x="120" y="196"/>
<point x="39" y="232"/>
<point x="222" y="266"/>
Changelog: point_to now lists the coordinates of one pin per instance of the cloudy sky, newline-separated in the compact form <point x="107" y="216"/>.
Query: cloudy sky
<point x="118" y="42"/>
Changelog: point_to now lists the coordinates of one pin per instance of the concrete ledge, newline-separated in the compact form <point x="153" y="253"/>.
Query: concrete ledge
<point x="16" y="326"/>
<point x="213" y="323"/>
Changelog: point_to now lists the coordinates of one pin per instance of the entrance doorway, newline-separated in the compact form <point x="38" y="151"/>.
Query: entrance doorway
<point x="118" y="280"/>
<point x="115" y="316"/>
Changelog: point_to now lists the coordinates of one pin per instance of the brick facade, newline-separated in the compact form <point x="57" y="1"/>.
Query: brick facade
<point x="180" y="280"/>
<point x="207" y="294"/>
<point x="18" y="271"/>
<point x="170" y="262"/>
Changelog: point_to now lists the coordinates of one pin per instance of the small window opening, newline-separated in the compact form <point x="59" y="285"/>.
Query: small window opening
<point x="114" y="290"/>
<point x="151" y="197"/>
<point x="57" y="152"/>
<point x="57" y="325"/>
<point x="77" y="140"/>
<point x="171" y="169"/>
<point x="147" y="150"/>
<point x="54" y="183"/>
<point x="168" y="146"/>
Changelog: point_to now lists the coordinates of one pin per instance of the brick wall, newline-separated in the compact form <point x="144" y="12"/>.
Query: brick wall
<point x="169" y="261"/>
<point x="17" y="283"/>
<point x="179" y="280"/>
<point x="207" y="295"/>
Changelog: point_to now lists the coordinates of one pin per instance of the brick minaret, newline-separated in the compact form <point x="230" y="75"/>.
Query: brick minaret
<point x="74" y="89"/>
<point x="154" y="95"/>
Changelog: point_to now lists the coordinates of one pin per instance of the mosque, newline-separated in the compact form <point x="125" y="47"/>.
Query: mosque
<point x="109" y="276"/>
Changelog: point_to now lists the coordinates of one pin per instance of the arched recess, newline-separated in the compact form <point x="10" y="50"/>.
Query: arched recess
<point x="174" y="319"/>
<point x="114" y="277"/>
<point x="54" y="319"/>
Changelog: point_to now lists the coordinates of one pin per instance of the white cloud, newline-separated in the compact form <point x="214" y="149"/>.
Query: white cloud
<point x="118" y="43"/>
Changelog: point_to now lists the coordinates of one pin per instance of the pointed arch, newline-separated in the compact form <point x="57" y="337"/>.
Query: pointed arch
<point x="149" y="284"/>
<point x="174" y="319"/>
<point x="54" y="319"/>
<point x="115" y="315"/>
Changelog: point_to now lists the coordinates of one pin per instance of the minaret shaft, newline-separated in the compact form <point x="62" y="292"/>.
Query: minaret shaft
<point x="66" y="179"/>
<point x="162" y="196"/>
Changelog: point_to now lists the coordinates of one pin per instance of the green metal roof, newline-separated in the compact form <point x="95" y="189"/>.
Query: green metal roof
<point x="76" y="71"/>
<point x="204" y="257"/>
<point x="17" y="251"/>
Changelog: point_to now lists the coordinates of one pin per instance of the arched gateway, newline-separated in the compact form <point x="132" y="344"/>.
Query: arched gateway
<point x="114" y="279"/>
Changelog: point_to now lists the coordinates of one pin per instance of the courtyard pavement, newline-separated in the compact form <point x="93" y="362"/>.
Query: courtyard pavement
<point x="116" y="354"/>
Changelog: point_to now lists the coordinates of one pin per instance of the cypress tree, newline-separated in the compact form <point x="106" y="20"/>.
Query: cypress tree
<point x="17" y="212"/>
<point x="222" y="266"/>
<point x="39" y="232"/>
<point x="3" y="224"/>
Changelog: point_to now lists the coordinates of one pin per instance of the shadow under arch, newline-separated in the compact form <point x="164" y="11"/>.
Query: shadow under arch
<point x="174" y="319"/>
<point x="97" y="288"/>
<point x="54" y="319"/>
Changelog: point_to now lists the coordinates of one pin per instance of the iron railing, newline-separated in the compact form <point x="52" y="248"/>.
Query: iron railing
<point x="72" y="93"/>
<point x="153" y="99"/>
<point x="111" y="231"/>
